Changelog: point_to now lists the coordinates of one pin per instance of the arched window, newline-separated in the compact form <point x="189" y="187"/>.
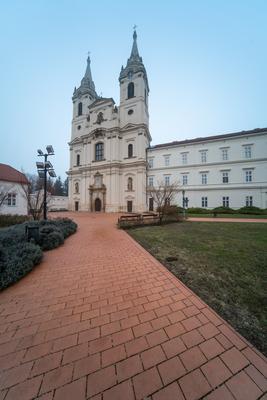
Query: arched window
<point x="130" y="150"/>
<point x="99" y="151"/>
<point x="130" y="184"/>
<point x="130" y="90"/>
<point x="76" y="187"/>
<point x="78" y="160"/>
<point x="80" y="109"/>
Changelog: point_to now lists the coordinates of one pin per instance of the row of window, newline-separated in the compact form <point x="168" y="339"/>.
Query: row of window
<point x="99" y="153"/>
<point x="226" y="201"/>
<point x="98" y="183"/>
<point x="247" y="153"/>
<point x="248" y="177"/>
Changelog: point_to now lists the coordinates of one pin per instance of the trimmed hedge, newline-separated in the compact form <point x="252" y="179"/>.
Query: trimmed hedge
<point x="8" y="220"/>
<point x="18" y="256"/>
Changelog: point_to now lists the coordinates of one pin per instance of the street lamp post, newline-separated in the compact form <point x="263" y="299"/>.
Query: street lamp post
<point x="43" y="168"/>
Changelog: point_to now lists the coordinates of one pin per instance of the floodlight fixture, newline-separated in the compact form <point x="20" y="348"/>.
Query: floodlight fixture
<point x="52" y="173"/>
<point x="50" y="149"/>
<point x="48" y="164"/>
<point x="40" y="153"/>
<point x="39" y="164"/>
<point x="41" y="173"/>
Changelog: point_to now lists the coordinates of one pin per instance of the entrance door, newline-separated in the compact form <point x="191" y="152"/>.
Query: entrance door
<point x="151" y="204"/>
<point x="97" y="204"/>
<point x="129" y="206"/>
<point x="76" y="206"/>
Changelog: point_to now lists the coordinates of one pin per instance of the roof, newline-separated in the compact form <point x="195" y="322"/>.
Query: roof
<point x="10" y="174"/>
<point x="210" y="138"/>
<point x="101" y="100"/>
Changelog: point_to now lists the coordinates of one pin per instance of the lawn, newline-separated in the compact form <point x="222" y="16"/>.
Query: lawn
<point x="225" y="264"/>
<point x="243" y="216"/>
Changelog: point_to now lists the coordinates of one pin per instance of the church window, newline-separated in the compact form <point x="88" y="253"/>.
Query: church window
<point x="130" y="90"/>
<point x="80" y="109"/>
<point x="185" y="179"/>
<point x="79" y="127"/>
<point x="76" y="187"/>
<point x="130" y="150"/>
<point x="130" y="112"/>
<point x="130" y="184"/>
<point x="78" y="160"/>
<point x="99" y="151"/>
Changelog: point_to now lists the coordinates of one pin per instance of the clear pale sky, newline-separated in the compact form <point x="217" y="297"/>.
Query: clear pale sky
<point x="206" y="63"/>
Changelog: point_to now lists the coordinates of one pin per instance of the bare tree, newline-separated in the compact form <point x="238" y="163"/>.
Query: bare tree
<point x="163" y="196"/>
<point x="34" y="194"/>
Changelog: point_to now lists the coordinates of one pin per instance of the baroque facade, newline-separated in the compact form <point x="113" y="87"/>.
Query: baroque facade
<point x="112" y="162"/>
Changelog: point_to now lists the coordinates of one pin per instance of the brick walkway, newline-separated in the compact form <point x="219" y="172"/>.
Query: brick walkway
<point x="102" y="319"/>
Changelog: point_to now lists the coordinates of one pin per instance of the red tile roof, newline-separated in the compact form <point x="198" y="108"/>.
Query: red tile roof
<point x="10" y="174"/>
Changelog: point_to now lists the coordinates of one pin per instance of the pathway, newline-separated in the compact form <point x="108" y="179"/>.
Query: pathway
<point x="101" y="319"/>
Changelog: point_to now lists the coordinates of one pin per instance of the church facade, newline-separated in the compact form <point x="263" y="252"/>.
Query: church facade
<point x="112" y="162"/>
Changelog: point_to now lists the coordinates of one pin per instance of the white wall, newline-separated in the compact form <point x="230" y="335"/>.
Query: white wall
<point x="21" y="202"/>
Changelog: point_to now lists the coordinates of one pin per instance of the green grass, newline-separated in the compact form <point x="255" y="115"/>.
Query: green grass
<point x="228" y="216"/>
<point x="225" y="264"/>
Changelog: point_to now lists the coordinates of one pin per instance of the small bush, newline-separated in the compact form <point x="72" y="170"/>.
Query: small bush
<point x="8" y="220"/>
<point x="198" y="210"/>
<point x="223" y="210"/>
<point x="251" y="210"/>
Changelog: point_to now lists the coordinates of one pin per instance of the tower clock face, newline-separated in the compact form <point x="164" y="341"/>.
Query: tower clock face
<point x="130" y="75"/>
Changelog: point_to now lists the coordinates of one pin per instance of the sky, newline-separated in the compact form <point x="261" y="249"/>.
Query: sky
<point x="206" y="63"/>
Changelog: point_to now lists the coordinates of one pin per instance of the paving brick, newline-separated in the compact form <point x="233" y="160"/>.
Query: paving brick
<point x="208" y="331"/>
<point x="136" y="346"/>
<point x="56" y="378"/>
<point x="122" y="337"/>
<point x="256" y="360"/>
<point x="15" y="375"/>
<point x="224" y="341"/>
<point x="174" y="330"/>
<point x="192" y="358"/>
<point x="90" y="334"/>
<point x="86" y="366"/>
<point x="113" y="355"/>
<point x="216" y="372"/>
<point x="211" y="348"/>
<point x="142" y="329"/>
<point x="101" y="380"/>
<point x="221" y="393"/>
<point x="74" y="390"/>
<point x="171" y="392"/>
<point x="194" y="385"/>
<point x="38" y="351"/>
<point x="234" y="360"/>
<point x="191" y="311"/>
<point x="147" y="316"/>
<point x="161" y="322"/>
<point x="146" y="383"/>
<point x="191" y="323"/>
<point x="192" y="338"/>
<point x="152" y="357"/>
<point x="171" y="370"/>
<point x="11" y="360"/>
<point x="129" y="367"/>
<point x="75" y="353"/>
<point x="26" y="390"/>
<point x="156" y="337"/>
<point x="164" y="310"/>
<point x="64" y="342"/>
<point x="100" y="344"/>
<point x="47" y="363"/>
<point x="234" y="338"/>
<point x="176" y="316"/>
<point x="243" y="388"/>
<point x="122" y="391"/>
<point x="257" y="377"/>
<point x="129" y="322"/>
<point x="173" y="347"/>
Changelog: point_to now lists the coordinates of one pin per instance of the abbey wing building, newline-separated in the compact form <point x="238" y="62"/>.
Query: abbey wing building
<point x="112" y="162"/>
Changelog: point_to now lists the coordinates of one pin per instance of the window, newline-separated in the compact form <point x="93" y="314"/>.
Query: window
<point x="225" y="201"/>
<point x="225" y="177"/>
<point x="78" y="160"/>
<point x="130" y="184"/>
<point x="99" y="151"/>
<point x="11" y="199"/>
<point x="204" y="179"/>
<point x="247" y="151"/>
<point x="184" y="158"/>
<point x="167" y="161"/>
<point x="130" y="90"/>
<point x="249" y="201"/>
<point x="80" y="109"/>
<point x="224" y="154"/>
<point x="203" y="156"/>
<point x="150" y="162"/>
<point x="167" y="202"/>
<point x="150" y="181"/>
<point x="167" y="180"/>
<point x="185" y="179"/>
<point x="76" y="187"/>
<point x="204" y="202"/>
<point x="248" y="175"/>
<point x="130" y="150"/>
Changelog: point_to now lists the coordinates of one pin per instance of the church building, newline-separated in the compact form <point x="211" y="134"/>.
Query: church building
<point x="112" y="162"/>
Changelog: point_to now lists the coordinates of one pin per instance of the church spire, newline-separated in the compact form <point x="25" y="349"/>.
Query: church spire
<point x="87" y="83"/>
<point x="134" y="53"/>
